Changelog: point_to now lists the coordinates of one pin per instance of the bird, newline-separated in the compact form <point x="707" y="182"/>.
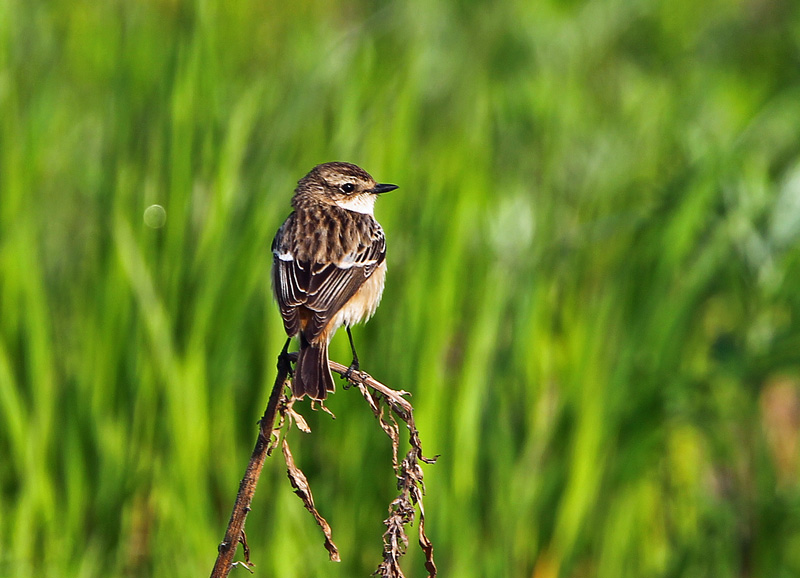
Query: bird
<point x="329" y="267"/>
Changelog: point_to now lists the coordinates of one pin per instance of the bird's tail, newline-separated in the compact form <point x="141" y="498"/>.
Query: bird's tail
<point x="312" y="374"/>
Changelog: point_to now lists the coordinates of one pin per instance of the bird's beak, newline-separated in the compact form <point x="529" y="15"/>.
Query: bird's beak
<point x="382" y="188"/>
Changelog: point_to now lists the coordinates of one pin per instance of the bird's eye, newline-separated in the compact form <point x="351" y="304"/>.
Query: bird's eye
<point x="348" y="187"/>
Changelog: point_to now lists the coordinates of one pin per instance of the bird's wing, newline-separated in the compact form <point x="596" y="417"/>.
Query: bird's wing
<point x="289" y="279"/>
<point x="322" y="288"/>
<point x="334" y="284"/>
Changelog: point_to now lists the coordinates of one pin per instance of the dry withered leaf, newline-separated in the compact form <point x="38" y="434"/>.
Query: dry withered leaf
<point x="301" y="488"/>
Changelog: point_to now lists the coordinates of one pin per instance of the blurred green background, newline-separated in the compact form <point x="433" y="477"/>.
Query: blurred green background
<point x="593" y="289"/>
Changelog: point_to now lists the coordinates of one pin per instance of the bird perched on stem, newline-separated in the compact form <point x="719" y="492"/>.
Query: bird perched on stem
<point x="328" y="266"/>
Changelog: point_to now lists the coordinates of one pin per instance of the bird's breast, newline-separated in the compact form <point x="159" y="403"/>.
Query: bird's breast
<point x="363" y="304"/>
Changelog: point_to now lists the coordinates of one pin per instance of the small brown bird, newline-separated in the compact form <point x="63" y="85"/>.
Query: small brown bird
<point x="328" y="266"/>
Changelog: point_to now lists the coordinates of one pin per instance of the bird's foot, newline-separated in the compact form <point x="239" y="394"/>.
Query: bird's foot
<point x="347" y="375"/>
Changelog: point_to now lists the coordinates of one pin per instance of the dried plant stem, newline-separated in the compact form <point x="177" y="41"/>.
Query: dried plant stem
<point x="247" y="488"/>
<point x="409" y="474"/>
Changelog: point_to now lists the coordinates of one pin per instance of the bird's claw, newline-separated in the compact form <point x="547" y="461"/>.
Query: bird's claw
<point x="354" y="368"/>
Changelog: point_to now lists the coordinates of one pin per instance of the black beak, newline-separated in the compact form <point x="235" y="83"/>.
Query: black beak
<point x="383" y="188"/>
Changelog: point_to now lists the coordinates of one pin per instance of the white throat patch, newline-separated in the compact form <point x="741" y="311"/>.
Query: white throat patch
<point x="363" y="203"/>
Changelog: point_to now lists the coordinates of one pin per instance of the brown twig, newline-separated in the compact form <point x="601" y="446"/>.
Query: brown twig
<point x="409" y="474"/>
<point x="247" y="488"/>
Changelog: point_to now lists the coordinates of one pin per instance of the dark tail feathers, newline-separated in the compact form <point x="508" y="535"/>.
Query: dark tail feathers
<point x="312" y="374"/>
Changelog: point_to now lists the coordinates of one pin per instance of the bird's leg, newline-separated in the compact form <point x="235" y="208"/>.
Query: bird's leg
<point x="354" y="365"/>
<point x="283" y="358"/>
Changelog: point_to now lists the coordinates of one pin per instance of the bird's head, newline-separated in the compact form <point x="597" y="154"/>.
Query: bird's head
<point x="343" y="184"/>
